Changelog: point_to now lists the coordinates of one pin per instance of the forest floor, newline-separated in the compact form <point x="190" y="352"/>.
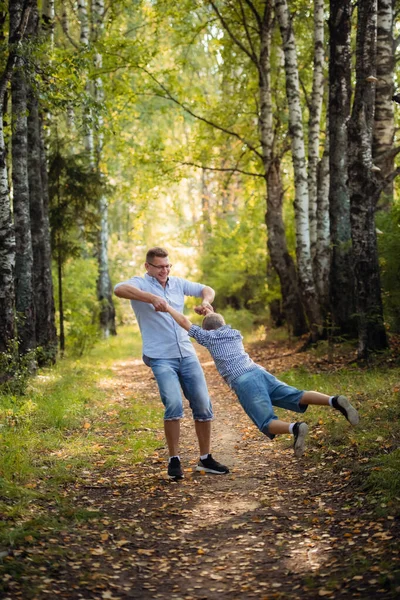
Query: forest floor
<point x="275" y="527"/>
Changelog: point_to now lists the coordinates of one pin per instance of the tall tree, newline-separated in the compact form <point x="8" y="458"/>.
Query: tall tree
<point x="104" y="289"/>
<point x="341" y="274"/>
<point x="281" y="259"/>
<point x="25" y="305"/>
<point x="384" y="127"/>
<point x="46" y="335"/>
<point x="364" y="188"/>
<point x="303" y="248"/>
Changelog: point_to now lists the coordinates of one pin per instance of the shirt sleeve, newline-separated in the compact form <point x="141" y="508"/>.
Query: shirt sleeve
<point x="190" y="288"/>
<point x="200" y="335"/>
<point x="137" y="282"/>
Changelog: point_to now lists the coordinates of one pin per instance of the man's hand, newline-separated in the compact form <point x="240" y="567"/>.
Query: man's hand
<point x="159" y="304"/>
<point x="204" y="309"/>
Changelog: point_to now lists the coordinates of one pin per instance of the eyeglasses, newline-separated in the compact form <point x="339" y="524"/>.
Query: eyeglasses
<point x="160" y="267"/>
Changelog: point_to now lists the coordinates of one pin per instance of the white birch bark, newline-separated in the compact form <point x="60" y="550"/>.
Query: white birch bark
<point x="48" y="15"/>
<point x="315" y="119"/>
<point x="104" y="289"/>
<point x="301" y="204"/>
<point x="277" y="244"/>
<point x="384" y="127"/>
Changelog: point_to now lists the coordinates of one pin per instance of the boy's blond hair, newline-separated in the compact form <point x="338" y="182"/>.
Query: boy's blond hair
<point x="213" y="321"/>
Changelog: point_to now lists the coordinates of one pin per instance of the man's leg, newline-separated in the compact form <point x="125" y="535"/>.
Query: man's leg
<point x="194" y="387"/>
<point x="203" y="432"/>
<point x="172" y="433"/>
<point x="166" y="374"/>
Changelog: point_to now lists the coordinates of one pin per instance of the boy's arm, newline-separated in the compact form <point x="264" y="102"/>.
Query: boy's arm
<point x="179" y="318"/>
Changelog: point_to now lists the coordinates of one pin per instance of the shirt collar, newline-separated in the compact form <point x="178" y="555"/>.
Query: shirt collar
<point x="154" y="280"/>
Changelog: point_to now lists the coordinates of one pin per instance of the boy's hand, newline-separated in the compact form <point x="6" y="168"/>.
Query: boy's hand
<point x="204" y="309"/>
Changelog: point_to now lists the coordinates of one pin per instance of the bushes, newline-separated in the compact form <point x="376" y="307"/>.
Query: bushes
<point x="389" y="253"/>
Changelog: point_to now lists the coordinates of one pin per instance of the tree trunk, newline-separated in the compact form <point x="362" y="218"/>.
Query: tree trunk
<point x="301" y="204"/>
<point x="46" y="336"/>
<point x="314" y="125"/>
<point x="7" y="251"/>
<point x="323" y="254"/>
<point x="7" y="236"/>
<point x="24" y="259"/>
<point x="281" y="260"/>
<point x="341" y="274"/>
<point x="280" y="257"/>
<point x="384" y="110"/>
<point x="364" y="188"/>
<point x="104" y="287"/>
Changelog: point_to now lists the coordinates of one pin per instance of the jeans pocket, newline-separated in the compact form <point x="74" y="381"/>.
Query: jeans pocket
<point x="146" y="360"/>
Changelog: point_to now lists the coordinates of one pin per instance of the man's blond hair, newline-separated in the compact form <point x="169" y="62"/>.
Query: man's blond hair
<point x="213" y="321"/>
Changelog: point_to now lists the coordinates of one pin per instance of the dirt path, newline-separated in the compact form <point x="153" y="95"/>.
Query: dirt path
<point x="275" y="527"/>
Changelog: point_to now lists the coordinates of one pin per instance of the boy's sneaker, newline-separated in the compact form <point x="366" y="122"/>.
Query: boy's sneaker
<point x="209" y="465"/>
<point x="175" y="469"/>
<point x="300" y="431"/>
<point x="343" y="405"/>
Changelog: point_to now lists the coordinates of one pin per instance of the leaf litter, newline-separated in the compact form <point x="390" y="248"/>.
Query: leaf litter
<point x="274" y="528"/>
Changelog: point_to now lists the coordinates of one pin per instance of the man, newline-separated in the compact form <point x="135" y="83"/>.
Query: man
<point x="170" y="354"/>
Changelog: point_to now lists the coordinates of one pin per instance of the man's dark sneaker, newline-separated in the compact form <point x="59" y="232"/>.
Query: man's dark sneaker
<point x="343" y="405"/>
<point x="209" y="465"/>
<point x="175" y="469"/>
<point x="300" y="431"/>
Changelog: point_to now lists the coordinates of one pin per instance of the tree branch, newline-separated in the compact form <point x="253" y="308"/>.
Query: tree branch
<point x="225" y="25"/>
<point x="230" y="170"/>
<point x="255" y="13"/>
<point x="14" y="44"/>
<point x="203" y="119"/>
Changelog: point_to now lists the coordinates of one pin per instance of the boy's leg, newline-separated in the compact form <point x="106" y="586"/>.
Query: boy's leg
<point x="339" y="403"/>
<point x="299" y="431"/>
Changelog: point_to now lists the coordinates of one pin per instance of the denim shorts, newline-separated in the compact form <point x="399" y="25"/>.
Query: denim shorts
<point x="258" y="391"/>
<point x="176" y="374"/>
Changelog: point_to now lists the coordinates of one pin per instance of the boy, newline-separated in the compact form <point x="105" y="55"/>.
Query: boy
<point x="257" y="390"/>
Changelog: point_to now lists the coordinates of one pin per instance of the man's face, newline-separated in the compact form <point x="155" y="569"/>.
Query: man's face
<point x="159" y="268"/>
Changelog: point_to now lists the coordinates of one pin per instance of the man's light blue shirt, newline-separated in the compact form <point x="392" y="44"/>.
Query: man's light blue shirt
<point x="162" y="337"/>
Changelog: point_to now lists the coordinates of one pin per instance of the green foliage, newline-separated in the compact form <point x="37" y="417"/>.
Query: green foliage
<point x="67" y="418"/>
<point x="389" y="252"/>
<point x="15" y="369"/>
<point x="81" y="309"/>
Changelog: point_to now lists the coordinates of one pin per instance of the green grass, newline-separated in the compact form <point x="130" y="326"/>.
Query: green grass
<point x="370" y="451"/>
<point x="64" y="423"/>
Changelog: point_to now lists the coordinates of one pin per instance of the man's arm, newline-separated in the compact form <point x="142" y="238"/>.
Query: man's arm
<point x="179" y="318"/>
<point x="130" y="292"/>
<point x="208" y="295"/>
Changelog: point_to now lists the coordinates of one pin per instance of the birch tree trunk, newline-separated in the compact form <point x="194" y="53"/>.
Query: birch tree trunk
<point x="341" y="275"/>
<point x="301" y="204"/>
<point x="7" y="236"/>
<point x="364" y="188"/>
<point x="323" y="255"/>
<point x="314" y="125"/>
<point x="24" y="258"/>
<point x="383" y="138"/>
<point x="104" y="288"/>
<point x="277" y="244"/>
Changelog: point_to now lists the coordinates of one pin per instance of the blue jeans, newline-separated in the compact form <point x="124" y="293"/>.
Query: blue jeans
<point x="258" y="391"/>
<point x="174" y="374"/>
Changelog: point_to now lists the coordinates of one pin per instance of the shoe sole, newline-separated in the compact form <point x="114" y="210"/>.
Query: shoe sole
<point x="176" y="477"/>
<point x="352" y="414"/>
<point x="205" y="470"/>
<point x="300" y="443"/>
